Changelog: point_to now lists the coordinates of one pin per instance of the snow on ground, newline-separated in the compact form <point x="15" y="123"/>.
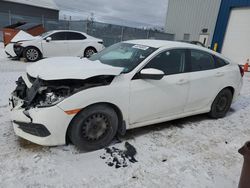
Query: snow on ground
<point x="192" y="152"/>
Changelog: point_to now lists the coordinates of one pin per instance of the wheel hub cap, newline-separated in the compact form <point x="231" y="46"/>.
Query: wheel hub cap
<point x="222" y="103"/>
<point x="32" y="54"/>
<point x="95" y="126"/>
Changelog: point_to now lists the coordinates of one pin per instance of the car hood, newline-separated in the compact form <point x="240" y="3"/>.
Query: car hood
<point x="23" y="36"/>
<point x="59" y="68"/>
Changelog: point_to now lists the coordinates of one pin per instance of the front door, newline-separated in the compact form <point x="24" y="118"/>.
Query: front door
<point x="153" y="99"/>
<point x="58" y="46"/>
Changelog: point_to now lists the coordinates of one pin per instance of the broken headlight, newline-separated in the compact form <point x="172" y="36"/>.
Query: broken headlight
<point x="50" y="100"/>
<point x="50" y="96"/>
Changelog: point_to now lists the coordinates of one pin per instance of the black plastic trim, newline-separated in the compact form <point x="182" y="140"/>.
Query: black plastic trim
<point x="33" y="128"/>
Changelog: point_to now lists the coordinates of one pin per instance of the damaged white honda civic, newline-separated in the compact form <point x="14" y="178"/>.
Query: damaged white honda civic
<point x="128" y="85"/>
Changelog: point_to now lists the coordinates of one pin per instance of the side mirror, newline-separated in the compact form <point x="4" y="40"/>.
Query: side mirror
<point x="152" y="74"/>
<point x="48" y="39"/>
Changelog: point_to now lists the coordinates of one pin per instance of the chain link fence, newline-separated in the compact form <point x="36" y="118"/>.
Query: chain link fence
<point x="108" y="32"/>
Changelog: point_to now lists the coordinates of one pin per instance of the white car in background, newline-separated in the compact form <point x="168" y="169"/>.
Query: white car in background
<point x="130" y="84"/>
<point x="52" y="44"/>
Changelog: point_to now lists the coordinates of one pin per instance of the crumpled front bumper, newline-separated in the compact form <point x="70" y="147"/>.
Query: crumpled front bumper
<point x="43" y="126"/>
<point x="13" y="51"/>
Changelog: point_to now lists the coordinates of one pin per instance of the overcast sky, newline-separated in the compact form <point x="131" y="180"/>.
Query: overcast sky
<point x="138" y="13"/>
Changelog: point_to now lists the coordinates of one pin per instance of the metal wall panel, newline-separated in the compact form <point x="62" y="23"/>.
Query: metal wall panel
<point x="27" y="10"/>
<point x="190" y="17"/>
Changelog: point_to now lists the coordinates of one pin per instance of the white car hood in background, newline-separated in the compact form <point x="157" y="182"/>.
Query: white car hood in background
<point x="59" y="68"/>
<point x="22" y="36"/>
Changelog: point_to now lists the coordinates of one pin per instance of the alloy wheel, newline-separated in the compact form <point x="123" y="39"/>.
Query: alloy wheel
<point x="32" y="54"/>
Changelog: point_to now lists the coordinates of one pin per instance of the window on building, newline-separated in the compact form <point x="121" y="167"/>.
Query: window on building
<point x="186" y="37"/>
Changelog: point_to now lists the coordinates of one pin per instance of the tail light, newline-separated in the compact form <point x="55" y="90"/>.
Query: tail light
<point x="241" y="71"/>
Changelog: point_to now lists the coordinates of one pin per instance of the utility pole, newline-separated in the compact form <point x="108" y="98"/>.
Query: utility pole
<point x="9" y="17"/>
<point x="148" y="33"/>
<point x="122" y="33"/>
<point x="43" y="21"/>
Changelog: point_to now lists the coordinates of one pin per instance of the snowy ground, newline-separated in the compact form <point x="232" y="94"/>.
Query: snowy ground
<point x="193" y="152"/>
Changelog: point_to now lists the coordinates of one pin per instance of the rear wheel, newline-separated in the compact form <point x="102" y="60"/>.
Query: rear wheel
<point x="32" y="54"/>
<point x="89" y="52"/>
<point x="94" y="127"/>
<point x="221" y="104"/>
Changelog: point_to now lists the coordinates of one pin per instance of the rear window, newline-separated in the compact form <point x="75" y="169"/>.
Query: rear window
<point x="219" y="62"/>
<point x="201" y="61"/>
<point x="75" y="36"/>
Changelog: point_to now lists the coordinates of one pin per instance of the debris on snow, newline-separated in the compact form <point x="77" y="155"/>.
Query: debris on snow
<point x="120" y="158"/>
<point x="164" y="160"/>
<point x="37" y="158"/>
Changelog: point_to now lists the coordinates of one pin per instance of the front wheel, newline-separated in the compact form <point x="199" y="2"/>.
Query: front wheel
<point x="94" y="127"/>
<point x="221" y="104"/>
<point x="32" y="54"/>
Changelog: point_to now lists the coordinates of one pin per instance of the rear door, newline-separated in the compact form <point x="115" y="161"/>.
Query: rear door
<point x="206" y="79"/>
<point x="57" y="46"/>
<point x="76" y="43"/>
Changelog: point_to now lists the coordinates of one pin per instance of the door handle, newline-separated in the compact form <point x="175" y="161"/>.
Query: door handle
<point x="219" y="74"/>
<point x="182" y="82"/>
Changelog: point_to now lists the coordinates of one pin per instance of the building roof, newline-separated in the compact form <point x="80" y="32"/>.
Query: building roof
<point x="49" y="4"/>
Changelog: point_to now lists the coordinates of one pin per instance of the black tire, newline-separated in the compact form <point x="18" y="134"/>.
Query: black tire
<point x="89" y="52"/>
<point x="93" y="128"/>
<point x="221" y="104"/>
<point x="32" y="54"/>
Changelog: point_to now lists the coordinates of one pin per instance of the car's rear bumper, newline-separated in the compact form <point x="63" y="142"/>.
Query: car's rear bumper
<point x="43" y="126"/>
<point x="237" y="91"/>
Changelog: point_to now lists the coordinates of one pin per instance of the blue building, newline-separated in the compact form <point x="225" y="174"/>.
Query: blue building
<point x="232" y="31"/>
<point x="223" y="25"/>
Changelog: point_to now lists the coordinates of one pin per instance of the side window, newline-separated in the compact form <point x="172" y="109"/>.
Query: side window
<point x="75" y="36"/>
<point x="219" y="62"/>
<point x="201" y="61"/>
<point x="58" y="36"/>
<point x="170" y="62"/>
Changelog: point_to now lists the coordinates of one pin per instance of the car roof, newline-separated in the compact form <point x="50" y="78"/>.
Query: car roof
<point x="161" y="43"/>
<point x="67" y="31"/>
<point x="173" y="44"/>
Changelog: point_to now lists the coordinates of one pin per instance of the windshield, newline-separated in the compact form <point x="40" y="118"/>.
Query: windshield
<point x="124" y="55"/>
<point x="46" y="34"/>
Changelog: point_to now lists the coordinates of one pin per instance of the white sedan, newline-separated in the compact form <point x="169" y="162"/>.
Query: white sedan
<point x="127" y="85"/>
<point x="52" y="44"/>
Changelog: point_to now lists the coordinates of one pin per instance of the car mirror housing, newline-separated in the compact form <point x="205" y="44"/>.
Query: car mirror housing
<point x="151" y="73"/>
<point x="48" y="39"/>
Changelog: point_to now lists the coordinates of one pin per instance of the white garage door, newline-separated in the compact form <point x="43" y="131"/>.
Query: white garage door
<point x="237" y="39"/>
